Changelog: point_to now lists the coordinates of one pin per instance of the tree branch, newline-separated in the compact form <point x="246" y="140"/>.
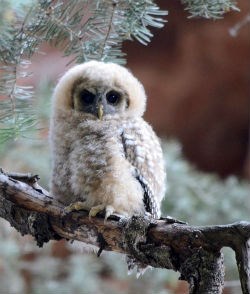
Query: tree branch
<point x="194" y="251"/>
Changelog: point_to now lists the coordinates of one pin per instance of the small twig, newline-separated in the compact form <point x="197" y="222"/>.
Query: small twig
<point x="109" y="28"/>
<point x="239" y="25"/>
<point x="28" y="178"/>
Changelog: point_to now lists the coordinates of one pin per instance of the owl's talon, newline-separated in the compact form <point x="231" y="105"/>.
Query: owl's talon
<point x="109" y="210"/>
<point x="95" y="210"/>
<point x="75" y="206"/>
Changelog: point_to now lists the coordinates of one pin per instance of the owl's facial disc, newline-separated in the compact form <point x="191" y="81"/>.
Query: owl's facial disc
<point x="99" y="102"/>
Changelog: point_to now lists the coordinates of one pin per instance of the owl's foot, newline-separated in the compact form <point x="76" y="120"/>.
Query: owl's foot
<point x="75" y="206"/>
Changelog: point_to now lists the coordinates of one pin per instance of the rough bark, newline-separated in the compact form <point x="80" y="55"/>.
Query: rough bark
<point x="194" y="251"/>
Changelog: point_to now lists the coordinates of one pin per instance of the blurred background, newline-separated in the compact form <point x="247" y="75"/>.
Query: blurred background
<point x="197" y="78"/>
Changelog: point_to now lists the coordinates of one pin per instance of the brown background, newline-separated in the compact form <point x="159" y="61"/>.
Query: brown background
<point x="198" y="81"/>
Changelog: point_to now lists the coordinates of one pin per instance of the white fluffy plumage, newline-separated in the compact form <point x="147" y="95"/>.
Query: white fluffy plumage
<point x="104" y="154"/>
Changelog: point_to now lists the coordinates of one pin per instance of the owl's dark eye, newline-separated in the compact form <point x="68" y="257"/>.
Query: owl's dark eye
<point x="113" y="97"/>
<point x="87" y="97"/>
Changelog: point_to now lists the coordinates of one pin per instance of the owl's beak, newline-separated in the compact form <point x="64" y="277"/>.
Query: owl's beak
<point x="100" y="111"/>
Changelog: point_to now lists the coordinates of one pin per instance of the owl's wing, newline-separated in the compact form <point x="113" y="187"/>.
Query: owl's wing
<point x="142" y="149"/>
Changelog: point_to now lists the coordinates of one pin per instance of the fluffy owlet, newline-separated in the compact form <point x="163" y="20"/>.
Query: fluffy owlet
<point x="105" y="156"/>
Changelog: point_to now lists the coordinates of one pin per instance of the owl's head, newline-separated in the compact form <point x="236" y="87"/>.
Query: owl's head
<point x="100" y="90"/>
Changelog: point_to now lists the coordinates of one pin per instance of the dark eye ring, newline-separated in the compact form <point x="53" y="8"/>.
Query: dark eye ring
<point x="87" y="97"/>
<point x="113" y="97"/>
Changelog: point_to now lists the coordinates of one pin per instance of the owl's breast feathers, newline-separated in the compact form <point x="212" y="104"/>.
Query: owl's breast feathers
<point x="118" y="162"/>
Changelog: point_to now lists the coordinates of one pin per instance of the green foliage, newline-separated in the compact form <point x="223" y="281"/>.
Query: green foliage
<point x="209" y="8"/>
<point x="17" y="118"/>
<point x="202" y="198"/>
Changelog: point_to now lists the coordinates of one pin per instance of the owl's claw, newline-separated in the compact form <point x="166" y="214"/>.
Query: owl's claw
<point x="108" y="211"/>
<point x="95" y="209"/>
<point x="75" y="206"/>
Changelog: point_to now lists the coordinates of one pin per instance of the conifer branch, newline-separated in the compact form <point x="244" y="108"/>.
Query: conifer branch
<point x="214" y="9"/>
<point x="109" y="30"/>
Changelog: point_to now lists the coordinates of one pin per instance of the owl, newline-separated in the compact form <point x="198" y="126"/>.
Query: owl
<point x="105" y="157"/>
